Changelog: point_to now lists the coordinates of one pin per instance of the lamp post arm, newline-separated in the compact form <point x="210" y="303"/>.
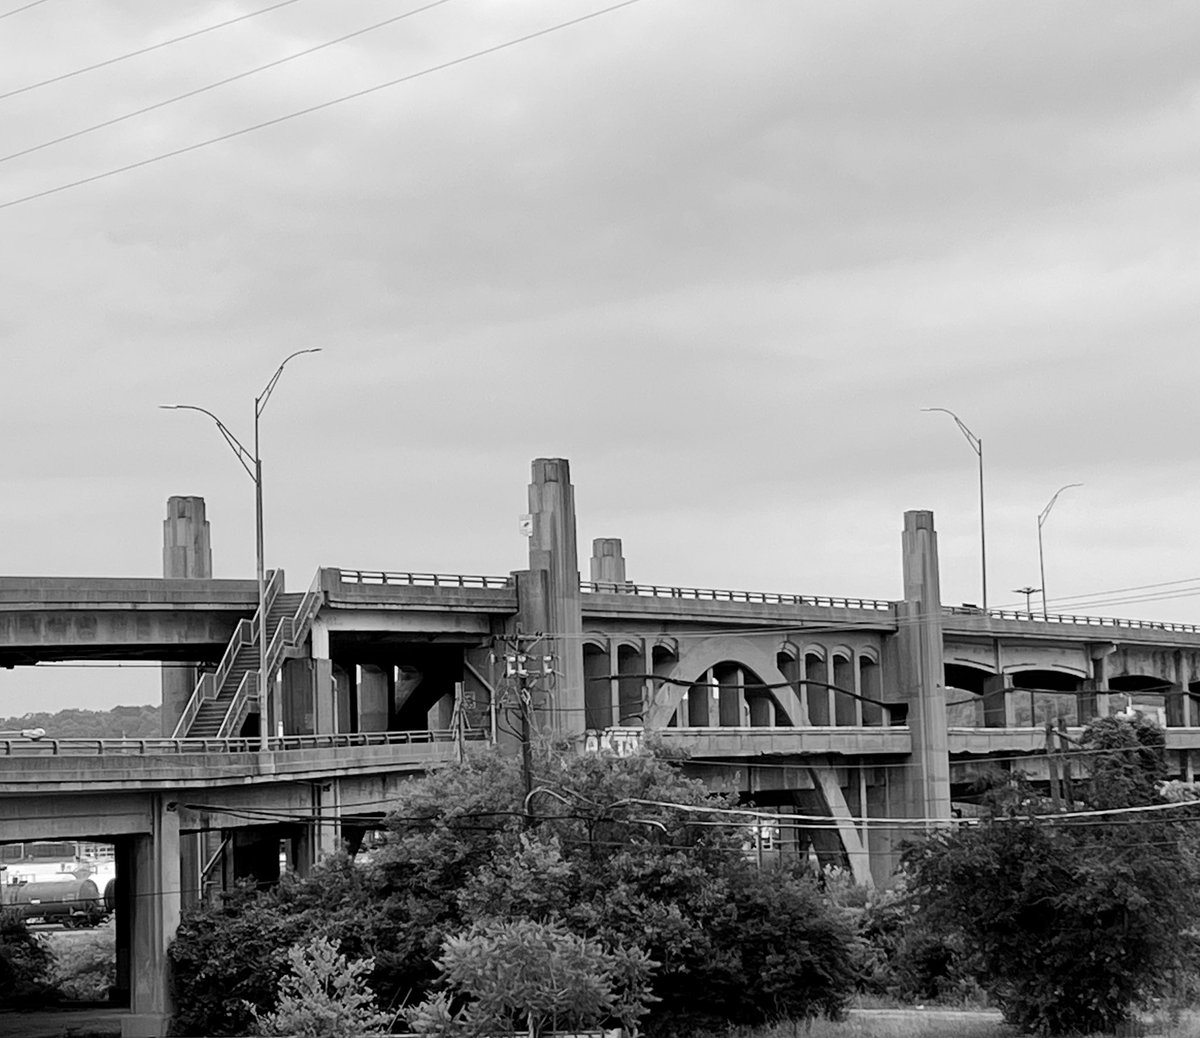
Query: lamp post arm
<point x="1045" y="512"/>
<point x="244" y="457"/>
<point x="260" y="401"/>
<point x="971" y="438"/>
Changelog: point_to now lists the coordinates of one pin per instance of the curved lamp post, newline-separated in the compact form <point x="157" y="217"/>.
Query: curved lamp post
<point x="1041" y="521"/>
<point x="252" y="463"/>
<point x="977" y="446"/>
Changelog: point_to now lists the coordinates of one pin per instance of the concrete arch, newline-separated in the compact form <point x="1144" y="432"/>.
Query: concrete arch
<point x="663" y="641"/>
<point x="788" y="648"/>
<point x="869" y="652"/>
<point x="596" y="640"/>
<point x="697" y="658"/>
<point x="815" y="649"/>
<point x="628" y="643"/>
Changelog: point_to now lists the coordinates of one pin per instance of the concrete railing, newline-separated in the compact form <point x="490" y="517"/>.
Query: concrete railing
<point x="176" y="747"/>
<point x="1026" y="616"/>
<point x="702" y="594"/>
<point x="381" y="577"/>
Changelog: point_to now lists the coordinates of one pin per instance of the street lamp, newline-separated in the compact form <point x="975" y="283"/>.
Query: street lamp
<point x="1041" y="556"/>
<point x="252" y="463"/>
<point x="1028" y="592"/>
<point x="977" y="446"/>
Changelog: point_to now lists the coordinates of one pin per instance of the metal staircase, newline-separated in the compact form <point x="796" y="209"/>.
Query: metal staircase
<point x="221" y="700"/>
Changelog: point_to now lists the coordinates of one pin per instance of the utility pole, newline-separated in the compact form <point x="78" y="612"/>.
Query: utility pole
<point x="520" y="667"/>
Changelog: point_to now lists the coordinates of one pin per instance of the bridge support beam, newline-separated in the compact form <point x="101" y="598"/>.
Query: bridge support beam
<point x="152" y="908"/>
<point x="549" y="600"/>
<point x="924" y="786"/>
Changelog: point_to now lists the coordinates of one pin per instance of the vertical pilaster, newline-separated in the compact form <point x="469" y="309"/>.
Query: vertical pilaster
<point x="187" y="555"/>
<point x="607" y="564"/>
<point x="553" y="556"/>
<point x="927" y="779"/>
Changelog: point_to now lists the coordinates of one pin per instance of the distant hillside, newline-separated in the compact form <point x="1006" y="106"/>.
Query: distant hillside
<point x="121" y="722"/>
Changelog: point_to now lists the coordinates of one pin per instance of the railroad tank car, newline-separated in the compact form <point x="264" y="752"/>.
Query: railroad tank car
<point x="72" y="902"/>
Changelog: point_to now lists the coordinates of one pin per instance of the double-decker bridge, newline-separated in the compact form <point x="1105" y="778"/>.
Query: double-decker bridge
<point x="836" y="713"/>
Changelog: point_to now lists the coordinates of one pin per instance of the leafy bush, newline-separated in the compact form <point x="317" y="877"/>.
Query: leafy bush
<point x="229" y="958"/>
<point x="532" y="977"/>
<point x="1071" y="923"/>
<point x="86" y="966"/>
<point x="626" y="853"/>
<point x="325" y="995"/>
<point x="25" y="963"/>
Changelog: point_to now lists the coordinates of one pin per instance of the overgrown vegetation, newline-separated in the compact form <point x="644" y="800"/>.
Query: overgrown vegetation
<point x="1069" y="923"/>
<point x="25" y="963"/>
<point x="626" y="856"/>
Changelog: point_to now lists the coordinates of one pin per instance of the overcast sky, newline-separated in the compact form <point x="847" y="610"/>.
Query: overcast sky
<point x="718" y="253"/>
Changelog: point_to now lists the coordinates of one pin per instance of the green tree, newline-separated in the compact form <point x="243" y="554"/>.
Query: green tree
<point x="529" y="976"/>
<point x="324" y="995"/>
<point x="1070" y="923"/>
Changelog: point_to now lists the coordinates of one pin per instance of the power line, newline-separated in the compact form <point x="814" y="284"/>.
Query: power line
<point x="18" y="10"/>
<point x="317" y="107"/>
<point x="218" y="83"/>
<point x="134" y="53"/>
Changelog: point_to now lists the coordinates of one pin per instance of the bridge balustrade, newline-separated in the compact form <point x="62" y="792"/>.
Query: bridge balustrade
<point x="159" y="747"/>
<point x="385" y="577"/>
<point x="701" y="594"/>
<point x="1023" y="616"/>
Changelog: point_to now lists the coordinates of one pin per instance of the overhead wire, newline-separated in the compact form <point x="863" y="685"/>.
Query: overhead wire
<point x="299" y="113"/>
<point x="18" y="10"/>
<point x="135" y="53"/>
<point x="219" y="83"/>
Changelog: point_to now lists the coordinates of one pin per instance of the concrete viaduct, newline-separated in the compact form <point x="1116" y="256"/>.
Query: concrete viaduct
<point x="837" y="708"/>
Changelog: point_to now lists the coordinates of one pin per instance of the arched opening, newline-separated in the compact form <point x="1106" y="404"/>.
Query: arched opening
<point x="845" y="705"/>
<point x="789" y="667"/>
<point x="1050" y="696"/>
<point x="816" y="689"/>
<point x="1146" y="694"/>
<point x="631" y="665"/>
<point x="870" y="684"/>
<point x="597" y="687"/>
<point x="967" y="706"/>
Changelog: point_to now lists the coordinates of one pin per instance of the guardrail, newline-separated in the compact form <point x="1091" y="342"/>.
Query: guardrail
<point x="718" y="595"/>
<point x="1023" y="616"/>
<point x="180" y="747"/>
<point x="369" y="576"/>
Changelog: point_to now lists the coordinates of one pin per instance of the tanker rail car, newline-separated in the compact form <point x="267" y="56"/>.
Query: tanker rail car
<point x="71" y="902"/>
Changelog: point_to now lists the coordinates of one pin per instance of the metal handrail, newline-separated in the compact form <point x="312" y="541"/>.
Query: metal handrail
<point x="1026" y="616"/>
<point x="384" y="577"/>
<point x="720" y="595"/>
<point x="160" y="747"/>
<point x="209" y="686"/>
<point x="239" y="705"/>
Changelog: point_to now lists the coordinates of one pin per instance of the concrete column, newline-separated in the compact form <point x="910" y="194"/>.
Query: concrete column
<point x="153" y="911"/>
<point x="552" y="552"/>
<point x="374" y="694"/>
<point x="607" y="562"/>
<point x="344" y="695"/>
<point x="187" y="555"/>
<point x="926" y="781"/>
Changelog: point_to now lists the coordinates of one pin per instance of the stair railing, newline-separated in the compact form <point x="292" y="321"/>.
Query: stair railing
<point x="293" y="629"/>
<point x="239" y="706"/>
<point x="209" y="686"/>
